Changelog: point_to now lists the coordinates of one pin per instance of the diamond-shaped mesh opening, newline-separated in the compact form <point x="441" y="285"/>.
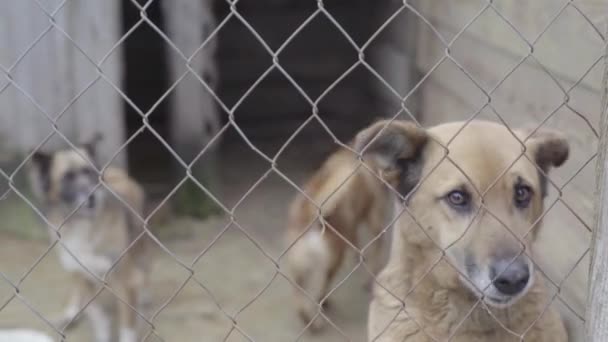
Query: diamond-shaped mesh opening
<point x="202" y="319"/>
<point x="543" y="15"/>
<point x="38" y="28"/>
<point x="256" y="66"/>
<point x="19" y="307"/>
<point x="225" y="109"/>
<point x="567" y="29"/>
<point x="334" y="63"/>
<point x="284" y="22"/>
<point x="448" y="29"/>
<point x="36" y="59"/>
<point x="18" y="217"/>
<point x="272" y="86"/>
<point x="465" y="106"/>
<point x="493" y="66"/>
<point x="253" y="258"/>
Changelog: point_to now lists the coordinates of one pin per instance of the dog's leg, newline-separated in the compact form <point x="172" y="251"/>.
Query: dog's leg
<point x="100" y="321"/>
<point x="68" y="318"/>
<point x="144" y="296"/>
<point x="127" y="318"/>
<point x="309" y="261"/>
<point x="374" y="260"/>
<point x="96" y="264"/>
<point x="74" y="304"/>
<point x="71" y="310"/>
<point x="337" y="250"/>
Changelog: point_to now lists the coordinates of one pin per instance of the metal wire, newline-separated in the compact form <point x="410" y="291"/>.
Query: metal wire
<point x="362" y="61"/>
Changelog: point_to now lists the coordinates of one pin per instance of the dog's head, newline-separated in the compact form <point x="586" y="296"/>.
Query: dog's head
<point x="480" y="200"/>
<point x="67" y="178"/>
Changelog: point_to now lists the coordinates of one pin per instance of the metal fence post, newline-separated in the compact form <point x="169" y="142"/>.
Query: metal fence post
<point x="597" y="297"/>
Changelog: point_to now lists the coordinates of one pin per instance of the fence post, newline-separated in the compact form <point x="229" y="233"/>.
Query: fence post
<point x="597" y="297"/>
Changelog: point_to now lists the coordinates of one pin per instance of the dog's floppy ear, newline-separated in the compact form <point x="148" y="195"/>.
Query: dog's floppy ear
<point x="40" y="177"/>
<point x="90" y="146"/>
<point x="394" y="149"/>
<point x="548" y="149"/>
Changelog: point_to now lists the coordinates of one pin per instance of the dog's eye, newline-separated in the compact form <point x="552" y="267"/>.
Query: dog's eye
<point x="458" y="198"/>
<point x="89" y="172"/>
<point x="523" y="194"/>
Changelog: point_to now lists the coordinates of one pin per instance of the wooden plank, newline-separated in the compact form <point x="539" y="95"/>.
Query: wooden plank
<point x="597" y="304"/>
<point x="100" y="108"/>
<point x="54" y="72"/>
<point x="194" y="115"/>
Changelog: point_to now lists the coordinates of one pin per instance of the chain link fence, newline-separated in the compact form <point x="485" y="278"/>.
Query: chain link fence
<point x="362" y="50"/>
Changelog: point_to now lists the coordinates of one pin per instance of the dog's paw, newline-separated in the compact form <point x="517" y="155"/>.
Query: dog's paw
<point x="144" y="300"/>
<point x="64" y="322"/>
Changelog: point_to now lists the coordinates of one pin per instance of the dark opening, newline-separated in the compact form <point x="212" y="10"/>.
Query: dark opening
<point x="145" y="81"/>
<point x="317" y="56"/>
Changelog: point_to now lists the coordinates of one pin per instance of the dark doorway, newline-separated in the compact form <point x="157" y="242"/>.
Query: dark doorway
<point x="145" y="82"/>
<point x="315" y="58"/>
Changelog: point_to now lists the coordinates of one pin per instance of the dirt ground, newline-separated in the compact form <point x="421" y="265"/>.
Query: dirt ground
<point x="233" y="271"/>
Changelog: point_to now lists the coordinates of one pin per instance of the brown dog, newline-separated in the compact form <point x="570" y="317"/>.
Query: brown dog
<point x="95" y="228"/>
<point x="346" y="202"/>
<point x="461" y="268"/>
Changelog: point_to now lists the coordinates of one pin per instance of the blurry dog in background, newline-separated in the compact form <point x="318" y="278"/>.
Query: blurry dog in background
<point x="349" y="196"/>
<point x="95" y="229"/>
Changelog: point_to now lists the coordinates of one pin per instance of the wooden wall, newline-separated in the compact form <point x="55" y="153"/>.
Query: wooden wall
<point x="490" y="50"/>
<point x="52" y="68"/>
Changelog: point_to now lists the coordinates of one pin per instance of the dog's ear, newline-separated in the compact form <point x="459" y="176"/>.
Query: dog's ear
<point x="548" y="149"/>
<point x="90" y="146"/>
<point x="41" y="159"/>
<point x="40" y="174"/>
<point x="394" y="149"/>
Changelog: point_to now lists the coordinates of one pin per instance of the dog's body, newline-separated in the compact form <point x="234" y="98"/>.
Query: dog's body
<point x="348" y="197"/>
<point x="455" y="272"/>
<point x="96" y="229"/>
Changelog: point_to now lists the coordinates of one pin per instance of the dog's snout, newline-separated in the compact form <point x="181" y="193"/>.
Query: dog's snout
<point x="510" y="278"/>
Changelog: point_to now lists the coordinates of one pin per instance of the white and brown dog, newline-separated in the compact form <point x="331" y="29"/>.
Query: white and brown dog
<point x="350" y="196"/>
<point x="460" y="266"/>
<point x="95" y="229"/>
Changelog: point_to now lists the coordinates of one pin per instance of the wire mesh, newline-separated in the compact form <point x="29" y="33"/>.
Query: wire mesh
<point x="314" y="102"/>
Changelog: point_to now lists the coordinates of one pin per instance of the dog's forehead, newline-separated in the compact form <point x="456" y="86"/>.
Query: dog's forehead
<point x="482" y="150"/>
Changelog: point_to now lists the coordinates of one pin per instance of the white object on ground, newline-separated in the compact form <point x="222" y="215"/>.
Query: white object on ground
<point x="23" y="335"/>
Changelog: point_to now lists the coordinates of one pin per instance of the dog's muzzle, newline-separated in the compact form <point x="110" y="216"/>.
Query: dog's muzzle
<point x="86" y="202"/>
<point x="510" y="277"/>
<point x="502" y="282"/>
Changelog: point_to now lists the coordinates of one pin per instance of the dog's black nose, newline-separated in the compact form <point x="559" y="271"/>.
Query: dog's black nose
<point x="510" y="278"/>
